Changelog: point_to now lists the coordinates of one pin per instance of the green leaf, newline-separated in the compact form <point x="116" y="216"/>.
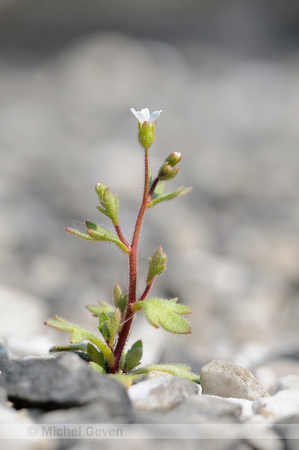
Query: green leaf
<point x="177" y="370"/>
<point x="79" y="234"/>
<point x="166" y="197"/>
<point x="114" y="326"/>
<point x="98" y="233"/>
<point x="96" y="367"/>
<point x="165" y="313"/>
<point x="96" y="356"/>
<point x="79" y="335"/>
<point x="102" y="306"/>
<point x="119" y="300"/>
<point x="159" y="189"/>
<point x="125" y="379"/>
<point x="104" y="321"/>
<point x="133" y="356"/>
<point x="69" y="348"/>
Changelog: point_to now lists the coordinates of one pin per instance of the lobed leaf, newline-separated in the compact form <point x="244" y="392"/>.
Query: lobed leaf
<point x="98" y="233"/>
<point x="165" y="313"/>
<point x="79" y="335"/>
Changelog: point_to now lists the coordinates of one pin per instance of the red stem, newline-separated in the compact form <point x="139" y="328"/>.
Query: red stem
<point x="125" y="330"/>
<point x="121" y="236"/>
<point x="145" y="293"/>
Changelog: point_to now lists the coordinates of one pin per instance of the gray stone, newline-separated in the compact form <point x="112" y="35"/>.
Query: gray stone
<point x="9" y="416"/>
<point x="288" y="428"/>
<point x="4" y="357"/>
<point x="283" y="404"/>
<point x="229" y="380"/>
<point x="161" y="393"/>
<point x="195" y="409"/>
<point x="62" y="382"/>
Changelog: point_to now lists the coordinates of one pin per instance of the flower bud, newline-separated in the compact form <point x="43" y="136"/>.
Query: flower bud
<point x="156" y="265"/>
<point x="167" y="172"/>
<point x="174" y="158"/>
<point x="100" y="189"/>
<point x="110" y="202"/>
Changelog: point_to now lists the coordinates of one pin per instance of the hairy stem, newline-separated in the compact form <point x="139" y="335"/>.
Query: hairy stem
<point x="146" y="291"/>
<point x="125" y="330"/>
<point x="121" y="236"/>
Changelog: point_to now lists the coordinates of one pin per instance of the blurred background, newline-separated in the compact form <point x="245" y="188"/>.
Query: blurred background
<point x="226" y="75"/>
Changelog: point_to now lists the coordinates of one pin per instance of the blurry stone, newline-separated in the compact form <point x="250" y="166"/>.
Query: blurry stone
<point x="21" y="314"/>
<point x="246" y="406"/>
<point x="288" y="382"/>
<point x="266" y="376"/>
<point x="229" y="380"/>
<point x="9" y="416"/>
<point x="283" y="404"/>
<point x="4" y="357"/>
<point x="62" y="382"/>
<point x="161" y="394"/>
<point x="204" y="409"/>
<point x="19" y="347"/>
<point x="287" y="428"/>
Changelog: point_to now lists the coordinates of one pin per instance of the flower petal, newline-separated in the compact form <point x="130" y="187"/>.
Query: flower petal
<point x="138" y="114"/>
<point x="146" y="114"/>
<point x="154" y="116"/>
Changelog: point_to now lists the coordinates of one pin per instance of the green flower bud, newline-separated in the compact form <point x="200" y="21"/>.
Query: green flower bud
<point x="146" y="134"/>
<point x="156" y="264"/>
<point x="100" y="189"/>
<point x="167" y="172"/>
<point x="110" y="203"/>
<point x="174" y="158"/>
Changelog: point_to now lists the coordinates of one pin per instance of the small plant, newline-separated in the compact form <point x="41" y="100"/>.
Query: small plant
<point x="108" y="354"/>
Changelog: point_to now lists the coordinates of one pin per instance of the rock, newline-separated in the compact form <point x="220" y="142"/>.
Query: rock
<point x="3" y="354"/>
<point x="246" y="406"/>
<point x="15" y="436"/>
<point x="229" y="380"/>
<point x="161" y="394"/>
<point x="283" y="404"/>
<point x="21" y="313"/>
<point x="20" y="347"/>
<point x="287" y="428"/>
<point x="202" y="409"/>
<point x="62" y="382"/>
<point x="288" y="382"/>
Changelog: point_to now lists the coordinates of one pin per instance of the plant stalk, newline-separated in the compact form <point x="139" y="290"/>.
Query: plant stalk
<point x="125" y="330"/>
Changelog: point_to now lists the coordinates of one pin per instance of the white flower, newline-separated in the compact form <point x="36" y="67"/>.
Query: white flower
<point x="145" y="116"/>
